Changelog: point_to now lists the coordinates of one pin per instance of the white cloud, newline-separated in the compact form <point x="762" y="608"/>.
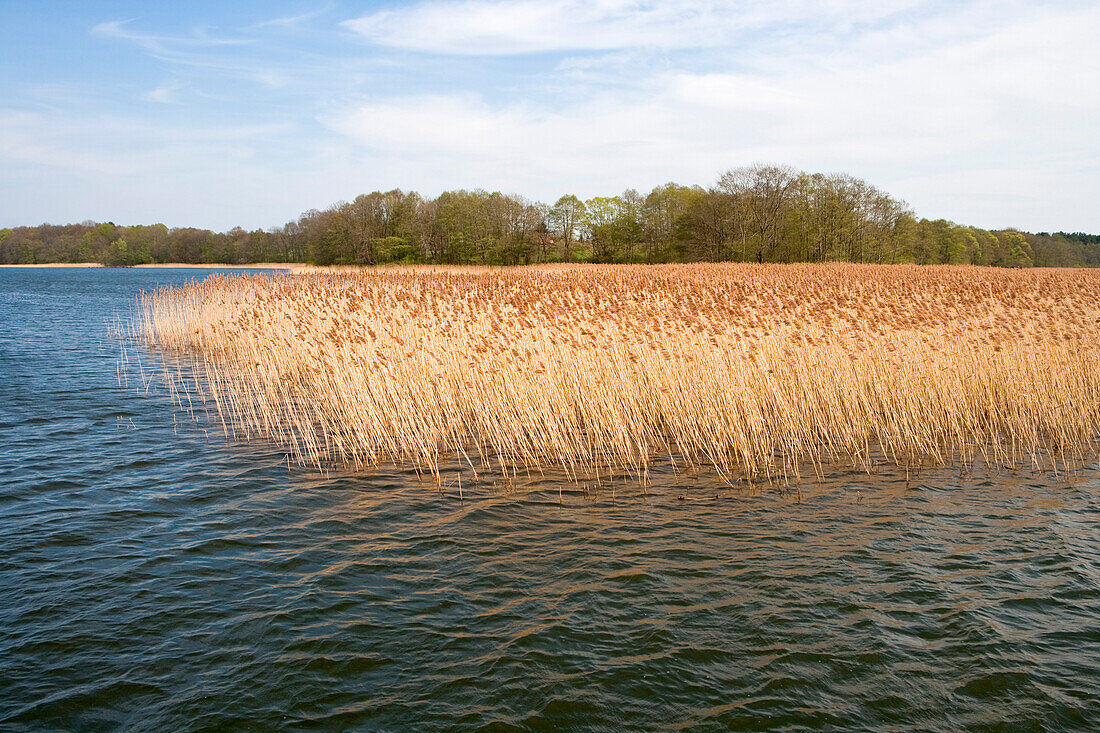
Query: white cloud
<point x="163" y="94"/>
<point x="194" y="52"/>
<point x="110" y="168"/>
<point x="293" y="21"/>
<point x="115" y="144"/>
<point x="737" y="92"/>
<point x="1011" y="196"/>
<point x="488" y="27"/>
<point x="996" y="104"/>
<point x="982" y="111"/>
<point x="465" y="142"/>
<point x="159" y="43"/>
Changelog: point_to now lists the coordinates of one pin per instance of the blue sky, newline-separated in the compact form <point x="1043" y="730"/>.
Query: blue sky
<point x="216" y="114"/>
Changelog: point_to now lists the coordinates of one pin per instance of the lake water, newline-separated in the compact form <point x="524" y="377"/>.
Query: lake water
<point x="156" y="576"/>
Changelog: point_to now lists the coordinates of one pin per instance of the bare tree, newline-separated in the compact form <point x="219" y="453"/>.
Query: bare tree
<point x="565" y="215"/>
<point x="762" y="194"/>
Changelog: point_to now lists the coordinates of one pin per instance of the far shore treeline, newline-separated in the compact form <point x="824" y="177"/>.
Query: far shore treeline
<point x="762" y="213"/>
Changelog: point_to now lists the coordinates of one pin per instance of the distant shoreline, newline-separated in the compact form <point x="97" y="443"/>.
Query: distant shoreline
<point x="292" y="266"/>
<point x="60" y="264"/>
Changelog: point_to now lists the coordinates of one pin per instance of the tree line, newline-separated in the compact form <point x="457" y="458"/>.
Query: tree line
<point x="760" y="213"/>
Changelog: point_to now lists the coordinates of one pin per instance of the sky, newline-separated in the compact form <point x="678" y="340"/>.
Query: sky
<point x="217" y="114"/>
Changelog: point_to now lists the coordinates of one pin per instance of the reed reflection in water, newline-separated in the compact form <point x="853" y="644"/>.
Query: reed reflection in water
<point x="157" y="577"/>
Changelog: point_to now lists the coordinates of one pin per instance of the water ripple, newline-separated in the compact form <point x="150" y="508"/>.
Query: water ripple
<point x="158" y="577"/>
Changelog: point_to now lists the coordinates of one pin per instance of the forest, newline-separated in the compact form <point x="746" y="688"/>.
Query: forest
<point x="760" y="213"/>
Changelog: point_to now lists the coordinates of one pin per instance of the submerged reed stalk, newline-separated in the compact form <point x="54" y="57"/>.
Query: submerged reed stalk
<point x="753" y="370"/>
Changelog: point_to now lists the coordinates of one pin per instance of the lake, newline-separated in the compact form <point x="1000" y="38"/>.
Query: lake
<point x="155" y="575"/>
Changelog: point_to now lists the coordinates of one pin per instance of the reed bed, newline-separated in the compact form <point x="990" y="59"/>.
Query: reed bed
<point x="751" y="370"/>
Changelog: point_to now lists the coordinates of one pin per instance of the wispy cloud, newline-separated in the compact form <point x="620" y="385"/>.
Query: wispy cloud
<point x="73" y="167"/>
<point x="119" y="145"/>
<point x="926" y="98"/>
<point x="293" y="21"/>
<point x="160" y="43"/>
<point x="197" y="50"/>
<point x="992" y="98"/>
<point x="487" y="27"/>
<point x="163" y="94"/>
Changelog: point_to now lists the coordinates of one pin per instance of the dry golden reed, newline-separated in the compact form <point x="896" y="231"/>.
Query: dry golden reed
<point x="753" y="370"/>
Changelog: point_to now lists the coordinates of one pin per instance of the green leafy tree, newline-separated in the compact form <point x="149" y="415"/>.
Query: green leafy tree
<point x="761" y="213"/>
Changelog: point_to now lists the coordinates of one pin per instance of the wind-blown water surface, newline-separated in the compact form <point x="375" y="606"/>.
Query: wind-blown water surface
<point x="156" y="576"/>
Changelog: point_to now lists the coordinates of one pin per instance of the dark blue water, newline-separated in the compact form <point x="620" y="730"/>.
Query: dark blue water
<point x="156" y="576"/>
